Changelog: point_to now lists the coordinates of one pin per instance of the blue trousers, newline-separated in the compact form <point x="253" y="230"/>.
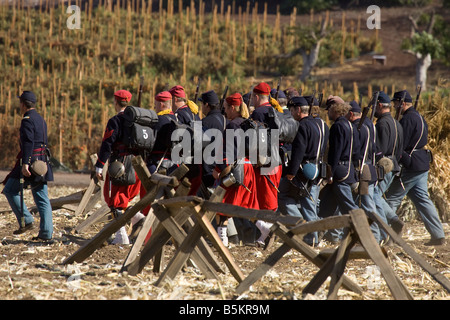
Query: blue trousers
<point x="303" y="207"/>
<point x="367" y="203"/>
<point x="40" y="196"/>
<point x="337" y="199"/>
<point x="416" y="187"/>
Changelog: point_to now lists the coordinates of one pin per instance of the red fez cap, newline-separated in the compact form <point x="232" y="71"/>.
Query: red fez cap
<point x="234" y="100"/>
<point x="163" y="96"/>
<point x="262" y="88"/>
<point x="123" y="95"/>
<point x="178" y="91"/>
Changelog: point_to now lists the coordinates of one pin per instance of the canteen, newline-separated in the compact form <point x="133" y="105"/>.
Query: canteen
<point x="310" y="171"/>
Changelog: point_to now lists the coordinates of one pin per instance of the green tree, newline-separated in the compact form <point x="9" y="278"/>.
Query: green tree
<point x="424" y="46"/>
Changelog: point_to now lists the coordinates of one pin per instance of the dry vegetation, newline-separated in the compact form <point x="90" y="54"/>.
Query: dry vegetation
<point x="32" y="270"/>
<point x="77" y="106"/>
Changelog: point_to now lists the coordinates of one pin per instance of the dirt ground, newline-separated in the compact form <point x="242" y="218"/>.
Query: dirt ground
<point x="32" y="270"/>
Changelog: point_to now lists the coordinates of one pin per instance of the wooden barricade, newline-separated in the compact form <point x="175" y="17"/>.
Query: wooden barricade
<point x="187" y="221"/>
<point x="157" y="182"/>
<point x="356" y="229"/>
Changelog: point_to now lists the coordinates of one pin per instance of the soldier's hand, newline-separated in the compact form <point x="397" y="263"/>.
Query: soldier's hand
<point x="289" y="176"/>
<point x="25" y="170"/>
<point x="215" y="174"/>
<point x="99" y="173"/>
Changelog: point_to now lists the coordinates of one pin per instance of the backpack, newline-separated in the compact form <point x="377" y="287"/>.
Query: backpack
<point x="286" y="124"/>
<point x="138" y="131"/>
<point x="252" y="144"/>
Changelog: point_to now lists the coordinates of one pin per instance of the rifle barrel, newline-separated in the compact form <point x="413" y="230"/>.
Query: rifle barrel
<point x="418" y="96"/>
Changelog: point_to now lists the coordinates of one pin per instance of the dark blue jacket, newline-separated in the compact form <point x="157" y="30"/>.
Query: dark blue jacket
<point x="261" y="114"/>
<point x="415" y="138"/>
<point x="213" y="120"/>
<point x="232" y="125"/>
<point x="366" y="140"/>
<point x="305" y="144"/>
<point x="325" y="131"/>
<point x="386" y="139"/>
<point x="112" y="140"/>
<point x="339" y="150"/>
<point x="184" y="115"/>
<point x="33" y="145"/>
<point x="163" y="131"/>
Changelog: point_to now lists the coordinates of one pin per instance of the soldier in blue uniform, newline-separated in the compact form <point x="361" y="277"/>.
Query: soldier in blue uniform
<point x="415" y="162"/>
<point x="389" y="143"/>
<point x="213" y="119"/>
<point x="33" y="146"/>
<point x="180" y="107"/>
<point x="164" y="128"/>
<point x="324" y="129"/>
<point x="365" y="160"/>
<point x="342" y="143"/>
<point x="186" y="116"/>
<point x="299" y="192"/>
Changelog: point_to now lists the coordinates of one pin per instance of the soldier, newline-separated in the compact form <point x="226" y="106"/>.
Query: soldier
<point x="389" y="143"/>
<point x="244" y="192"/>
<point x="324" y="129"/>
<point x="364" y="161"/>
<point x="180" y="107"/>
<point x="281" y="98"/>
<point x="213" y="119"/>
<point x="415" y="162"/>
<point x="161" y="152"/>
<point x="267" y="184"/>
<point x="186" y="113"/>
<point x="116" y="195"/>
<point x="299" y="189"/>
<point x="342" y="143"/>
<point x="160" y="156"/>
<point x="33" y="150"/>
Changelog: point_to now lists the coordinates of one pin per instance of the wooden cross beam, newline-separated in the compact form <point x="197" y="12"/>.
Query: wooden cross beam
<point x="293" y="241"/>
<point x="190" y="241"/>
<point x="439" y="277"/>
<point x="90" y="246"/>
<point x="93" y="193"/>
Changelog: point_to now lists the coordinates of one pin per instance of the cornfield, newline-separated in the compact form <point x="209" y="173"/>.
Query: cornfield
<point x="74" y="72"/>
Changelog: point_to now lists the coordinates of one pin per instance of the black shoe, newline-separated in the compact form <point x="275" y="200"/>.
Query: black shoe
<point x="136" y="229"/>
<point x="27" y="227"/>
<point x="435" y="242"/>
<point x="45" y="240"/>
<point x="397" y="225"/>
<point x="234" y="239"/>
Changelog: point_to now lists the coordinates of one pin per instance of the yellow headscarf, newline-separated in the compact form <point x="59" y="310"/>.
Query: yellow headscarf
<point x="194" y="108"/>
<point x="276" y="105"/>
<point x="163" y="112"/>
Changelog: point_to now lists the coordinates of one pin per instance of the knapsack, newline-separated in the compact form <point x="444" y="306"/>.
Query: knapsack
<point x="138" y="131"/>
<point x="252" y="143"/>
<point x="286" y="124"/>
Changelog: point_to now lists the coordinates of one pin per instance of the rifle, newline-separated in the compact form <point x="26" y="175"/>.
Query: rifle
<point x="374" y="106"/>
<point x="320" y="99"/>
<point x="397" y="112"/>
<point x="373" y="103"/>
<point x="311" y="103"/>
<point x="223" y="99"/>
<point x="419" y="88"/>
<point x="196" y="92"/>
<point x="278" y="89"/>
<point x="21" y="183"/>
<point x="141" y="85"/>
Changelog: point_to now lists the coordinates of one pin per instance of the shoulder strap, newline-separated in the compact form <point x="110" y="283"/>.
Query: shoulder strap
<point x="421" y="134"/>
<point x="351" y="152"/>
